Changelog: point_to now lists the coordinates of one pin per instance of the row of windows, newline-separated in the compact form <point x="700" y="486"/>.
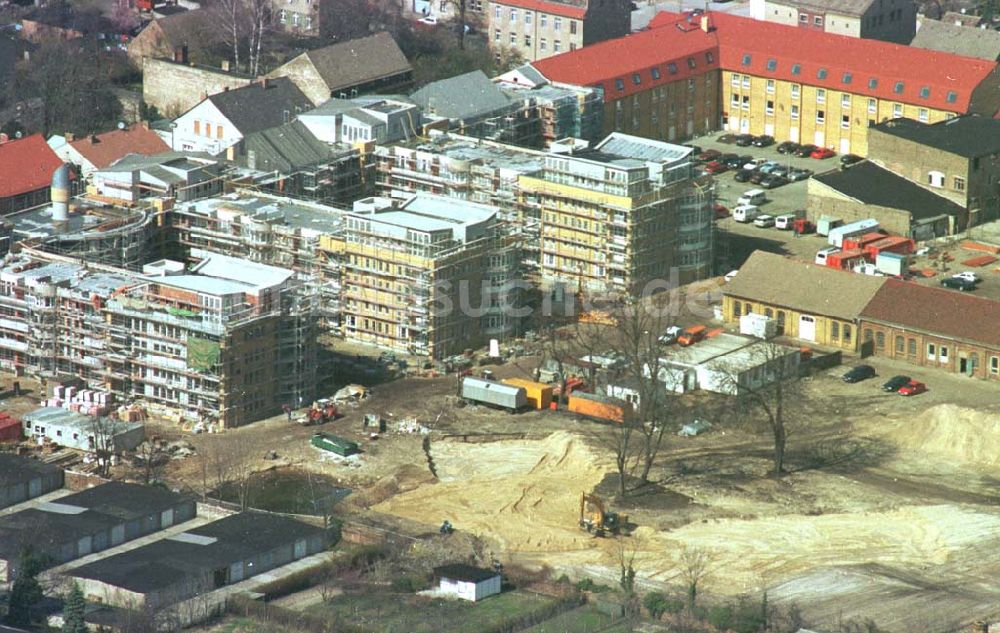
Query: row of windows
<point x="656" y="74"/>
<point x="543" y="43"/>
<point x="737" y="102"/>
<point x="208" y="129"/>
<point x="937" y="179"/>
<point x="543" y="19"/>
<point x="847" y="78"/>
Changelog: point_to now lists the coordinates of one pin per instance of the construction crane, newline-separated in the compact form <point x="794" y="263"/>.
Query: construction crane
<point x="598" y="521"/>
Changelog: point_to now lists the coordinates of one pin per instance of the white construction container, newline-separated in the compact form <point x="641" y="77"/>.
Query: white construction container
<point x="837" y="235"/>
<point x="892" y="264"/>
<point x="825" y="224"/>
<point x="758" y="325"/>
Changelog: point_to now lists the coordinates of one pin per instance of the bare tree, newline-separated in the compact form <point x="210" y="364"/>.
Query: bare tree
<point x="229" y="460"/>
<point x="695" y="563"/>
<point x="151" y="459"/>
<point x="243" y="24"/>
<point x="259" y="12"/>
<point x="772" y="388"/>
<point x="626" y="549"/>
<point x="233" y="22"/>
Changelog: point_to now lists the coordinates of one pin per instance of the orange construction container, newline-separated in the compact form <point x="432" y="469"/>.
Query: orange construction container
<point x="691" y="335"/>
<point x="599" y="407"/>
<point x="539" y="394"/>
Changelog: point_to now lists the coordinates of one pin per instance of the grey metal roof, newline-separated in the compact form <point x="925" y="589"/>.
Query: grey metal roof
<point x="625" y="146"/>
<point x="957" y="40"/>
<point x="462" y="97"/>
<point x="257" y="107"/>
<point x="868" y="183"/>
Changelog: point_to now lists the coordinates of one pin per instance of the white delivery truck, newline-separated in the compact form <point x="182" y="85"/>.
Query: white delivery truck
<point x="745" y="213"/>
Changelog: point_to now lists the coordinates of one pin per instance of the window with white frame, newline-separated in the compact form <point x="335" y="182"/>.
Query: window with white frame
<point x="959" y="183"/>
<point x="820" y="117"/>
<point x="872" y="106"/>
<point x="556" y="46"/>
<point x="795" y="112"/>
<point x="995" y="365"/>
<point x="513" y="15"/>
<point x="770" y="86"/>
<point x="897" y="110"/>
<point x="498" y="12"/>
<point x="735" y="102"/>
<point x="845" y="121"/>
<point x="557" y="23"/>
<point x="923" y="115"/>
<point x="820" y="95"/>
<point x="735" y="81"/>
<point x="931" y="351"/>
<point x="543" y="20"/>
<point x="796" y="88"/>
<point x="543" y="44"/>
<point x="845" y="101"/>
<point x="943" y="354"/>
<point x="935" y="179"/>
<point x="746" y="81"/>
<point x="528" y="17"/>
<point x="769" y="107"/>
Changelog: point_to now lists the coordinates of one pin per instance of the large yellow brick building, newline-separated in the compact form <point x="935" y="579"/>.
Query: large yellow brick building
<point x="621" y="215"/>
<point x="748" y="76"/>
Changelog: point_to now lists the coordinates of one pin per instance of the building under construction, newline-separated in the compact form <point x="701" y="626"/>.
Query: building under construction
<point x="426" y="275"/>
<point x="224" y="341"/>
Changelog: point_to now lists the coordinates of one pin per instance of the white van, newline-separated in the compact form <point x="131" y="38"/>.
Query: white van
<point x="822" y="255"/>
<point x="745" y="213"/>
<point x="785" y="222"/>
<point x="754" y="197"/>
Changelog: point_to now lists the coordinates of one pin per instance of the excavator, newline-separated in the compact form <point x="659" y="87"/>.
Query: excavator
<point x="598" y="521"/>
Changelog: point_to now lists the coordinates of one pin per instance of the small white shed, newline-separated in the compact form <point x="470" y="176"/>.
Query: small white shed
<point x="467" y="582"/>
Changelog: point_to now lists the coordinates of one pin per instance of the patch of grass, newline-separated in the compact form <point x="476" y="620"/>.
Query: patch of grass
<point x="393" y="613"/>
<point x="246" y="625"/>
<point x="582" y="620"/>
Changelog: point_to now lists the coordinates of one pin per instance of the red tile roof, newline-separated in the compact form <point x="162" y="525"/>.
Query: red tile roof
<point x="798" y="55"/>
<point x="541" y="6"/>
<point x="605" y="63"/>
<point x="26" y="165"/>
<point x="104" y="149"/>
<point x="935" y="311"/>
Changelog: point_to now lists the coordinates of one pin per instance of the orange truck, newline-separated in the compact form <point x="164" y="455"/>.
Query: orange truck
<point x="599" y="407"/>
<point x="539" y="394"/>
<point x="692" y="335"/>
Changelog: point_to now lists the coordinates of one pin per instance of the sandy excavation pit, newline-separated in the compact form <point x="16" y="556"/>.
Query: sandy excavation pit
<point x="524" y="495"/>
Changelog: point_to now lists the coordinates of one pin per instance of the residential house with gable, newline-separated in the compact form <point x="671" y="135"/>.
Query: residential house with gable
<point x="97" y="151"/>
<point x="222" y="120"/>
<point x="26" y="167"/>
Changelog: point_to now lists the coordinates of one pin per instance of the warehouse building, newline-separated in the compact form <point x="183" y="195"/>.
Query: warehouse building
<point x="813" y="303"/>
<point x="24" y="478"/>
<point x="87" y="522"/>
<point x="205" y="558"/>
<point x="918" y="324"/>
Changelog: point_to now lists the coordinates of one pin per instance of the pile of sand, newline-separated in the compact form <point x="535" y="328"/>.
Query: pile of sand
<point x="953" y="432"/>
<point x="524" y="494"/>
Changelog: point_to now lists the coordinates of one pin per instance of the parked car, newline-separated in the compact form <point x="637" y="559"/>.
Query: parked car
<point x="958" y="283"/>
<point x="859" y="373"/>
<point x="731" y="275"/>
<point x="893" y="384"/>
<point x="720" y="211"/>
<point x="764" y="221"/>
<point x="744" y="140"/>
<point x="670" y="336"/>
<point x="754" y="163"/>
<point x="744" y="175"/>
<point x="780" y="170"/>
<point x="968" y="275"/>
<point x="797" y="174"/>
<point x="736" y="162"/>
<point x="804" y="151"/>
<point x="715" y="167"/>
<point x="772" y="181"/>
<point x="708" y="155"/>
<point x="788" y="147"/>
<point x="769" y="166"/>
<point x="763" y="140"/>
<point x="757" y="176"/>
<point x="912" y="388"/>
<point x="822" y="153"/>
<point x="429" y="20"/>
<point x="785" y="222"/>
<point x="728" y="139"/>
<point x="850" y="159"/>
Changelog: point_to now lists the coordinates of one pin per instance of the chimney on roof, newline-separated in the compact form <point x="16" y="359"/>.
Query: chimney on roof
<point x="93" y="139"/>
<point x="225" y="65"/>
<point x="181" y="54"/>
<point x="70" y="137"/>
<point x="706" y="23"/>
<point x="263" y="83"/>
<point x="144" y="124"/>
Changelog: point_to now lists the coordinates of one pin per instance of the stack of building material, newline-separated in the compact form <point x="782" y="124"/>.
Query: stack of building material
<point x="86" y="401"/>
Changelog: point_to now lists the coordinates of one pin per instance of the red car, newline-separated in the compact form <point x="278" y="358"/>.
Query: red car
<point x="822" y="152"/>
<point x="720" y="211"/>
<point x="912" y="388"/>
<point x="708" y="154"/>
<point x="715" y="167"/>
